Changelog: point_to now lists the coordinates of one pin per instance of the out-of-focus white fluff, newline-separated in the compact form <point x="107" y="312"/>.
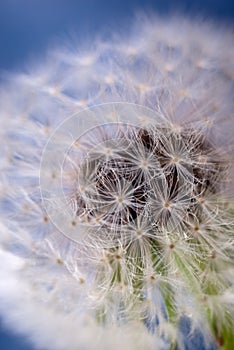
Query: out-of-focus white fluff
<point x="177" y="67"/>
<point x="48" y="328"/>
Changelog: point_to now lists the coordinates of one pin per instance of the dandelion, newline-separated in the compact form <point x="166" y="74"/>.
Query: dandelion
<point x="116" y="193"/>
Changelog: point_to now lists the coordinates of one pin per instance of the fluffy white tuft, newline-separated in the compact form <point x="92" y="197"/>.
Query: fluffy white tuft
<point x="134" y="230"/>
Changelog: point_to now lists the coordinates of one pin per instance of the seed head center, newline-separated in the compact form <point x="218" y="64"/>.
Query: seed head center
<point x="138" y="232"/>
<point x="120" y="199"/>
<point x="145" y="164"/>
<point x="175" y="160"/>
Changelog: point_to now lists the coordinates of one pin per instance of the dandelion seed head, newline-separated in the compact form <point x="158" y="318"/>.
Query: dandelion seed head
<point x="116" y="194"/>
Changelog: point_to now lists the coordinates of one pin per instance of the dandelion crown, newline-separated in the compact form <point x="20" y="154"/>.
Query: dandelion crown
<point x="116" y="193"/>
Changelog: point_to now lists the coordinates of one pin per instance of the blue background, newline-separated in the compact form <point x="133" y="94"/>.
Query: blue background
<point x="27" y="27"/>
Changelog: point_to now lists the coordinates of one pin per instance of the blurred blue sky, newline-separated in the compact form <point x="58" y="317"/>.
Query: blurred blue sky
<point x="28" y="26"/>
